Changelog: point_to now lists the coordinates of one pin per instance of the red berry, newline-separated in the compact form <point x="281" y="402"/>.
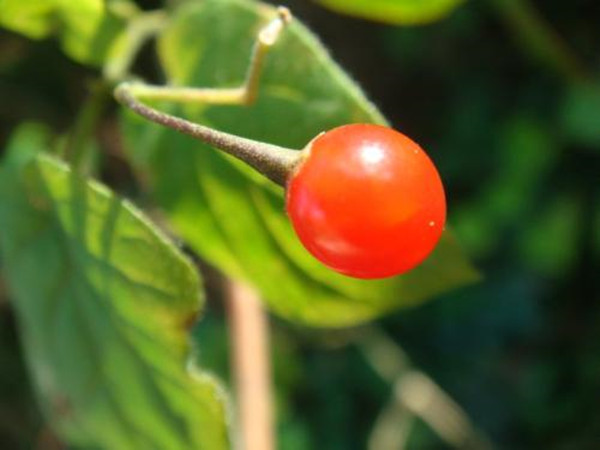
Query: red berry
<point x="367" y="201"/>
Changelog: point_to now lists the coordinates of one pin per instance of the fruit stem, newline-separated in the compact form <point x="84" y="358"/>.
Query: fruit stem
<point x="274" y="162"/>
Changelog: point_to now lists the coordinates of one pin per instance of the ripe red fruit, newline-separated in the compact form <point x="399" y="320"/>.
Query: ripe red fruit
<point x="367" y="201"/>
<point x="364" y="199"/>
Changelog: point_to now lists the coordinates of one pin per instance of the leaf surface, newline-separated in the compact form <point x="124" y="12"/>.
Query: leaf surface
<point x="581" y="114"/>
<point x="397" y="12"/>
<point x="104" y="302"/>
<point x="86" y="28"/>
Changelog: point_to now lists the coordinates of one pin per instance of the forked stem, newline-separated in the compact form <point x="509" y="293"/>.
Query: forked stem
<point x="273" y="161"/>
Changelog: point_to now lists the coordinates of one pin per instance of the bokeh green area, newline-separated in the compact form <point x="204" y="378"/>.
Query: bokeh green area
<point x="509" y="109"/>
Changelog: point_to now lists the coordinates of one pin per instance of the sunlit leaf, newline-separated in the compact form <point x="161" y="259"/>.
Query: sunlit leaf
<point x="401" y="12"/>
<point x="232" y="216"/>
<point x="86" y="28"/>
<point x="103" y="303"/>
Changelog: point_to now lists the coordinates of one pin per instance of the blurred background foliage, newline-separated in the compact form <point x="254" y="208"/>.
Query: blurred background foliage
<point x="505" y="95"/>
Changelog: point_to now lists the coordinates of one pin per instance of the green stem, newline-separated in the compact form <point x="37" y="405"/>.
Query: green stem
<point x="141" y="28"/>
<point x="210" y="96"/>
<point x="539" y="38"/>
<point x="86" y="124"/>
<point x="276" y="163"/>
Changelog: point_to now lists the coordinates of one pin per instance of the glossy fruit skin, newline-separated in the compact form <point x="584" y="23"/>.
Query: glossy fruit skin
<point x="367" y="201"/>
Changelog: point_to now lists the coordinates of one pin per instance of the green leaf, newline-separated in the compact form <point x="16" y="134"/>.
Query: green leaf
<point x="581" y="114"/>
<point x="396" y="12"/>
<point x="86" y="28"/>
<point x="527" y="154"/>
<point x="104" y="302"/>
<point x="25" y="143"/>
<point x="232" y="216"/>
<point x="549" y="243"/>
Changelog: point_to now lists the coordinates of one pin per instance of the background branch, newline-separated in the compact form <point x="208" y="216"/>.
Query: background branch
<point x="249" y="336"/>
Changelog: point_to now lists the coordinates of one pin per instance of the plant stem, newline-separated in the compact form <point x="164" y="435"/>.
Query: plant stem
<point x="242" y="95"/>
<point x="85" y="124"/>
<point x="539" y="38"/>
<point x="251" y="367"/>
<point x="211" y="96"/>
<point x="392" y="428"/>
<point x="419" y="395"/>
<point x="141" y="27"/>
<point x="274" y="162"/>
